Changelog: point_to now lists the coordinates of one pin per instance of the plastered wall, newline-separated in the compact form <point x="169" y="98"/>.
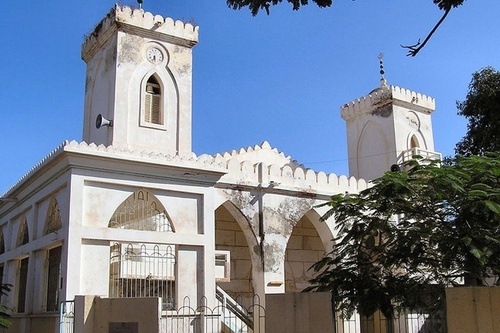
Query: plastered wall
<point x="473" y="309"/>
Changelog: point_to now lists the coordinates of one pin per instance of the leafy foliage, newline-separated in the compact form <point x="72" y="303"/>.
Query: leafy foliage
<point x="401" y="241"/>
<point x="482" y="109"/>
<point x="256" y="5"/>
<point x="448" y="4"/>
<point x="4" y="311"/>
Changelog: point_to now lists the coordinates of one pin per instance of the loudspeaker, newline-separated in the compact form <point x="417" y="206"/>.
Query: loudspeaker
<point x="101" y="121"/>
<point x="395" y="168"/>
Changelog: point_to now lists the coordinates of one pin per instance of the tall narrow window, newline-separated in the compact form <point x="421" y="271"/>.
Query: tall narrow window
<point x="1" y="282"/>
<point x="22" y="284"/>
<point x="53" y="217"/>
<point x="414" y="142"/>
<point x="23" y="236"/>
<point x="2" y="243"/>
<point x="53" y="278"/>
<point x="152" y="102"/>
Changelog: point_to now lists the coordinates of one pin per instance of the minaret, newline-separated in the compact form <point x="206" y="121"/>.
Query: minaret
<point x="388" y="126"/>
<point x="139" y="69"/>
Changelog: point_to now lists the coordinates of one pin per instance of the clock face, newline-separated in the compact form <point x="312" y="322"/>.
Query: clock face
<point x="154" y="55"/>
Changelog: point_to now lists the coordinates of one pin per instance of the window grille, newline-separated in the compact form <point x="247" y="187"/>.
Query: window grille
<point x="141" y="211"/>
<point x="143" y="270"/>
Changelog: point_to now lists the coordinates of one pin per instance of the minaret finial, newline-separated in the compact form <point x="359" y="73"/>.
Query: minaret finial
<point x="383" y="81"/>
<point x="140" y="3"/>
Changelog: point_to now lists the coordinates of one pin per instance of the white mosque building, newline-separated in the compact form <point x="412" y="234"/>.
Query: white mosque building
<point x="131" y="212"/>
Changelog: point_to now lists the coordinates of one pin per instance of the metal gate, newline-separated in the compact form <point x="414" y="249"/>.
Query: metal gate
<point x="226" y="317"/>
<point x="67" y="317"/>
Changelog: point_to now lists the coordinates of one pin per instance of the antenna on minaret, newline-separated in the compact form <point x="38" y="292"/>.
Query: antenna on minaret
<point x="383" y="81"/>
<point x="140" y="3"/>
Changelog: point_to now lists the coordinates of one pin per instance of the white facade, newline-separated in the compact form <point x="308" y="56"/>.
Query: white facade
<point x="384" y="126"/>
<point x="138" y="183"/>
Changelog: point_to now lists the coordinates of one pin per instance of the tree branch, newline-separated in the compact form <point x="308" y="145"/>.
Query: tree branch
<point x="415" y="48"/>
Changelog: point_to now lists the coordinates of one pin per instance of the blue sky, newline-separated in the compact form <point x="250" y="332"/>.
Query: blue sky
<point x="280" y="78"/>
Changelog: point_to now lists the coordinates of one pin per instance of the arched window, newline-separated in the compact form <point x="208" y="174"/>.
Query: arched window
<point x="414" y="142"/>
<point x="141" y="211"/>
<point x="137" y="269"/>
<point x="152" y="101"/>
<point x="53" y="217"/>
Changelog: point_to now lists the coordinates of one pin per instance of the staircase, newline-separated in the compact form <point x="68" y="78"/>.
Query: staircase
<point x="235" y="317"/>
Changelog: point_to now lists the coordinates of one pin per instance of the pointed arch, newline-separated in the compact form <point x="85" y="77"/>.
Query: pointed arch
<point x="234" y="233"/>
<point x="170" y="92"/>
<point x="23" y="235"/>
<point x="414" y="142"/>
<point x="53" y="217"/>
<point x="143" y="269"/>
<point x="309" y="241"/>
<point x="141" y="211"/>
<point x="373" y="152"/>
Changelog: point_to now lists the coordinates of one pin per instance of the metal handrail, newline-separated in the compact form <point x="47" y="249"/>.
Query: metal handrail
<point x="408" y="154"/>
<point x="229" y="303"/>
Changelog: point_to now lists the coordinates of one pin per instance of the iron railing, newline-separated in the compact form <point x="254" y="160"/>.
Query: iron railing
<point x="67" y="317"/>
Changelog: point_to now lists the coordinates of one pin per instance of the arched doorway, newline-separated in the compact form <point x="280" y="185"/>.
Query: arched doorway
<point x="230" y="237"/>
<point x="304" y="248"/>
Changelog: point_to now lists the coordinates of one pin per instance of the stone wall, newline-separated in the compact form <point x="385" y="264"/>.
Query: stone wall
<point x="104" y="315"/>
<point x="299" y="313"/>
<point x="473" y="309"/>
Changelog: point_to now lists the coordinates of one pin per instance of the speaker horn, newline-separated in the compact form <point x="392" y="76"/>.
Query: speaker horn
<point x="101" y="121"/>
<point x="395" y="168"/>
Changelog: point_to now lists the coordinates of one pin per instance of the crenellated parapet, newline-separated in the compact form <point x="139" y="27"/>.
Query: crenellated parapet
<point x="384" y="96"/>
<point x="288" y="180"/>
<point x="290" y="177"/>
<point x="267" y="167"/>
<point x="260" y="153"/>
<point x="137" y="21"/>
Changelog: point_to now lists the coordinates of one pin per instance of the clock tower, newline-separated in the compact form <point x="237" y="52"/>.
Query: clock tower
<point x="139" y="82"/>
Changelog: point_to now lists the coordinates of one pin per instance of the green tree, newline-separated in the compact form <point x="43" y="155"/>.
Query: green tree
<point x="4" y="311"/>
<point x="482" y="110"/>
<point x="256" y="5"/>
<point x="413" y="233"/>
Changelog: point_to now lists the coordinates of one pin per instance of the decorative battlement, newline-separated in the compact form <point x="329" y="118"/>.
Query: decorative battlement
<point x="291" y="177"/>
<point x="139" y="22"/>
<point x="264" y="164"/>
<point x="385" y="95"/>
<point x="263" y="153"/>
